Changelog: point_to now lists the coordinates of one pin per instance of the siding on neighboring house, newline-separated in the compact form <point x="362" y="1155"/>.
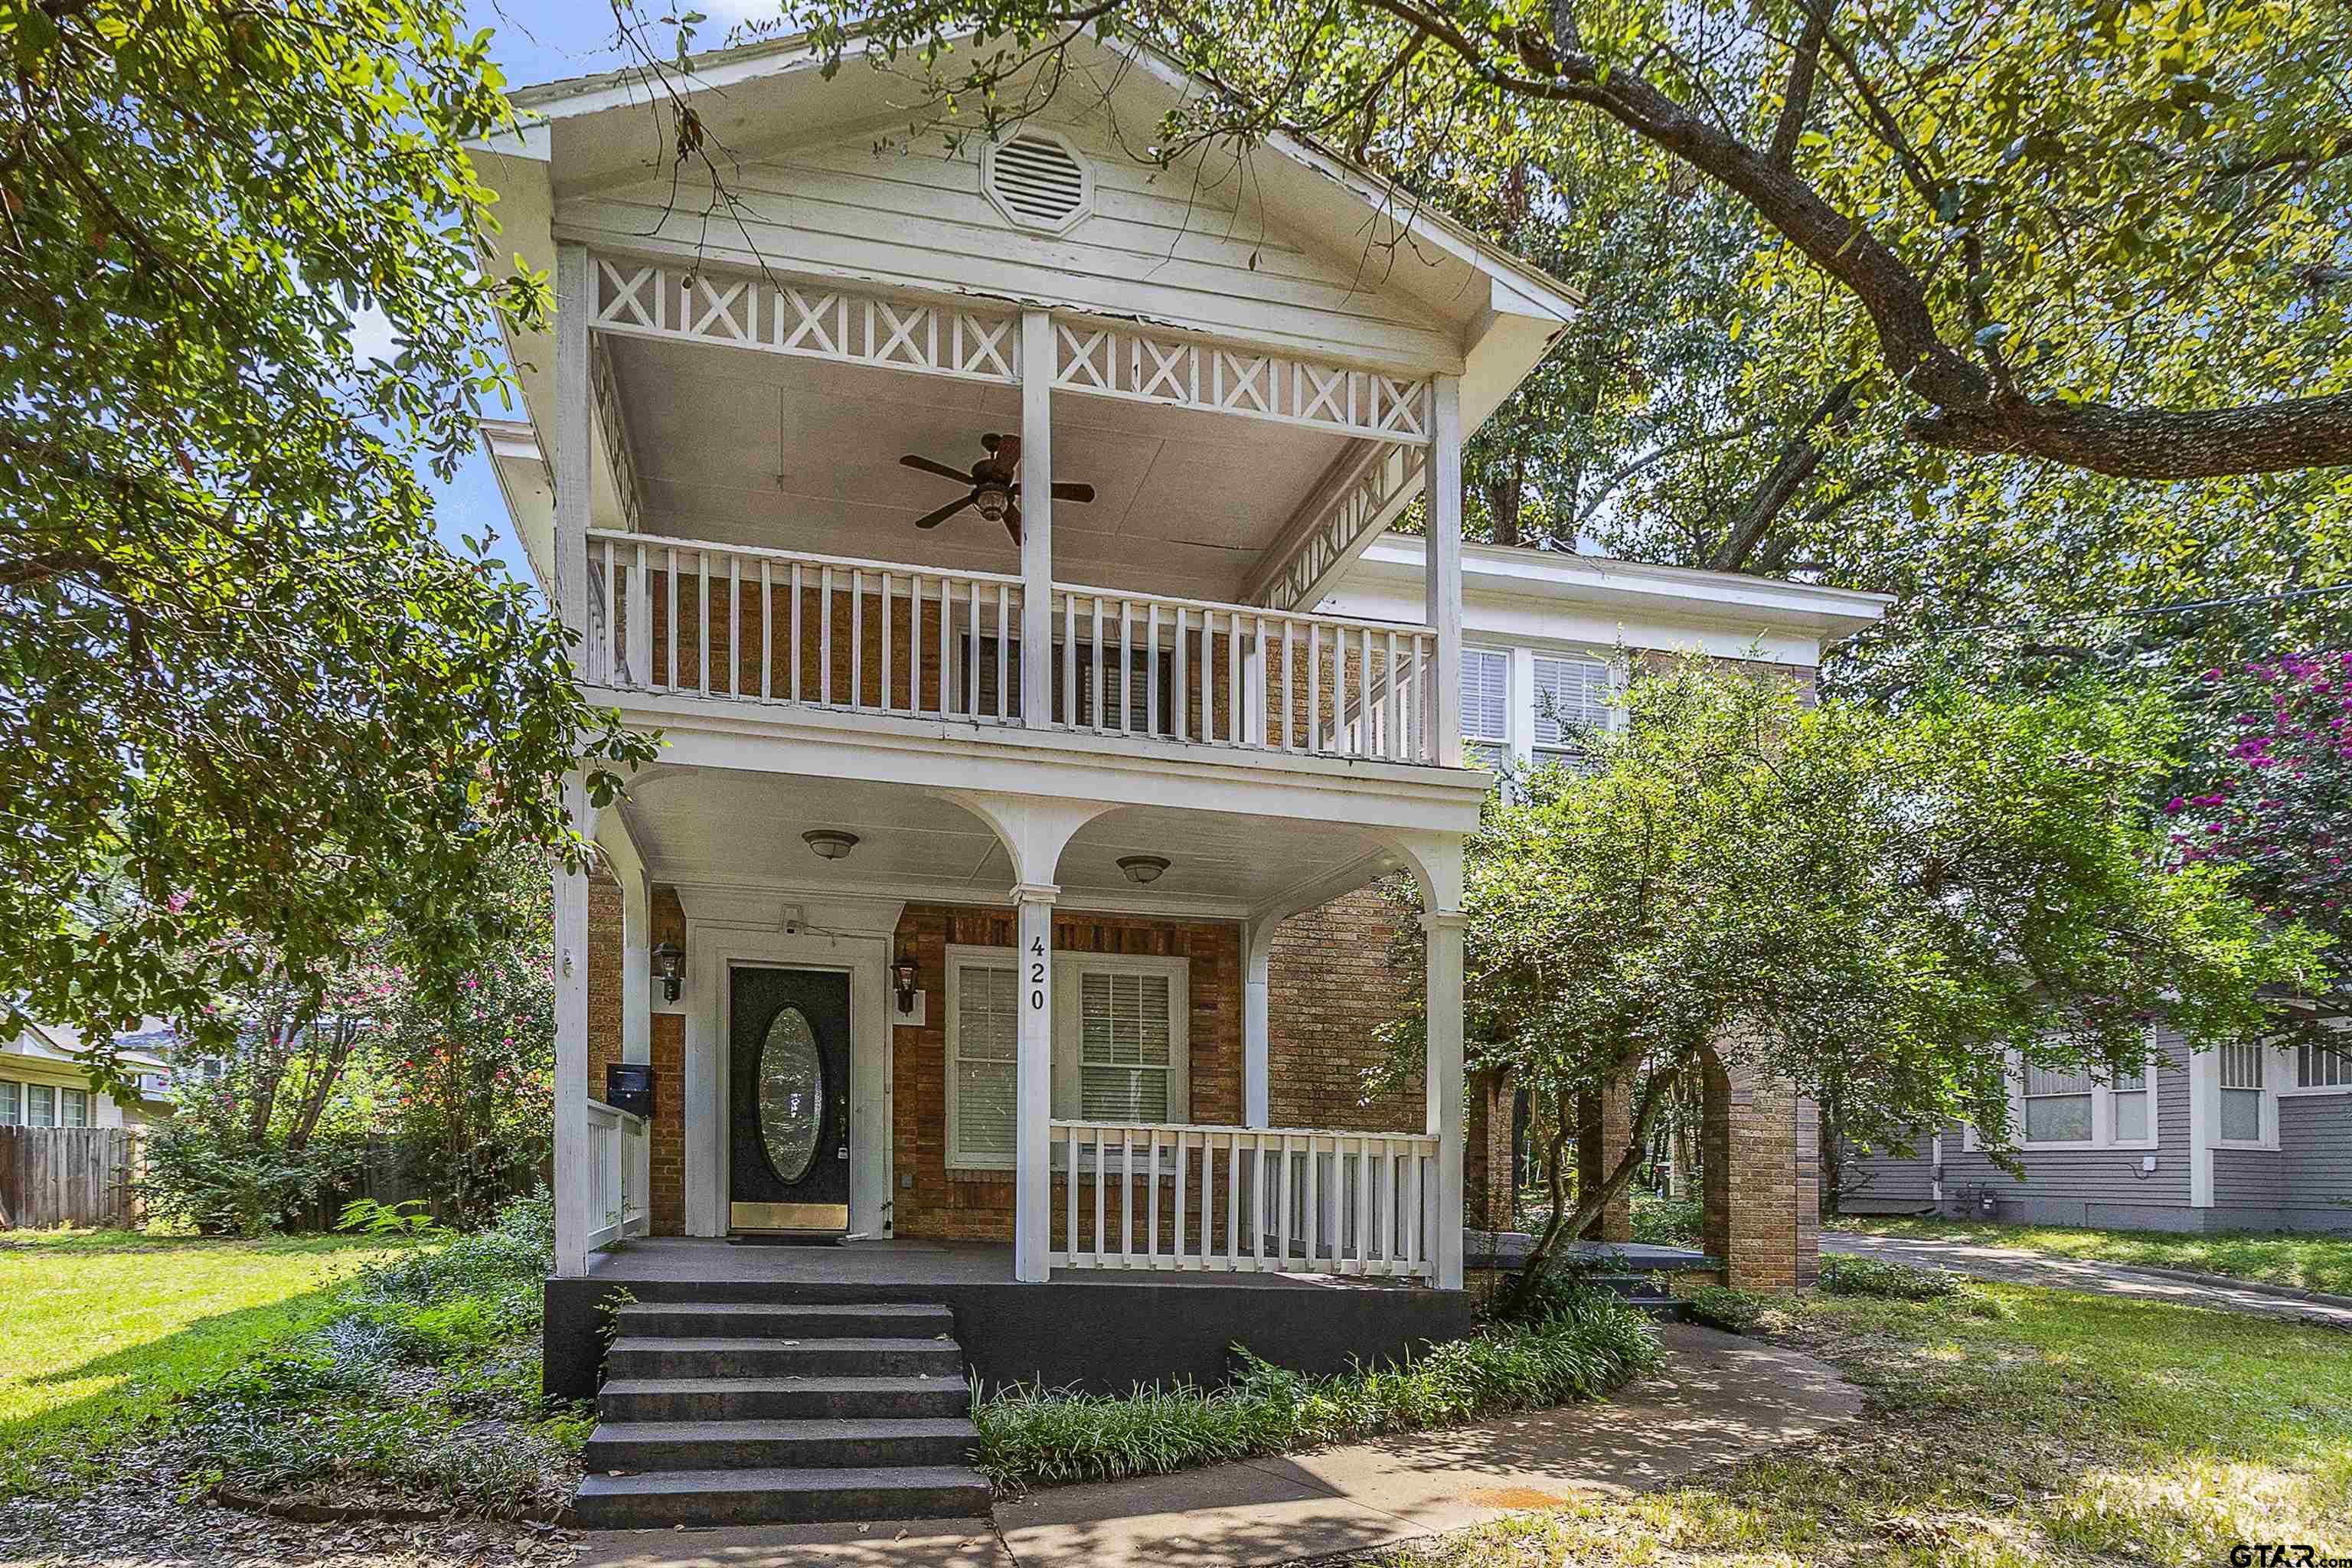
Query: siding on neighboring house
<point x="2316" y="1160"/>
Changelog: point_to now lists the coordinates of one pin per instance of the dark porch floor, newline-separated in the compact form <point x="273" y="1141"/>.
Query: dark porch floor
<point x="897" y="1264"/>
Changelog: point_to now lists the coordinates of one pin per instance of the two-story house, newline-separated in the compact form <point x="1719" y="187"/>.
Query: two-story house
<point x="996" y="539"/>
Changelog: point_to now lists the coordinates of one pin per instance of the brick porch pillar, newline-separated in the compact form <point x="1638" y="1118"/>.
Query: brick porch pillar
<point x="1604" y="1127"/>
<point x="1489" y="1172"/>
<point x="1761" y="1200"/>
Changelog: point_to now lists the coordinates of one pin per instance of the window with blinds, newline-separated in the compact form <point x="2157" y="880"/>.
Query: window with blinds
<point x="982" y="1052"/>
<point x="1572" y="699"/>
<point x="2057" y="1105"/>
<point x="1485" y="705"/>
<point x="1125" y="1046"/>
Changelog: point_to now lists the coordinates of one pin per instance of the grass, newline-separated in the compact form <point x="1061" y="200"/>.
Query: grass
<point x="2306" y="1262"/>
<point x="105" y="1329"/>
<point x="2071" y="1428"/>
<point x="1587" y="1344"/>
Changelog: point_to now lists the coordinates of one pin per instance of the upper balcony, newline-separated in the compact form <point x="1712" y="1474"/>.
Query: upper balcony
<point x="755" y="534"/>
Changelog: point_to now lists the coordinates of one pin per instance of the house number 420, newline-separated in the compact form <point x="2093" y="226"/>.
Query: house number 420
<point x="1036" y="975"/>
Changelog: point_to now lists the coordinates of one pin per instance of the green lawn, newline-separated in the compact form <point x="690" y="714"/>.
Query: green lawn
<point x="2310" y="1262"/>
<point x="2081" y="1429"/>
<point x="103" y="1329"/>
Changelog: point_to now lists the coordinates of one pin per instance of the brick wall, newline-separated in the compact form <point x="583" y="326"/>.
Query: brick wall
<point x="1329" y="989"/>
<point x="667" y="1154"/>
<point x="1604" y="1129"/>
<point x="1489" y="1177"/>
<point x="978" y="1204"/>
<point x="1760" y="1199"/>
<point x="604" y="978"/>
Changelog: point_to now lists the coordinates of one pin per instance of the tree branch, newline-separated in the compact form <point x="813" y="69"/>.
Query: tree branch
<point x="1798" y="96"/>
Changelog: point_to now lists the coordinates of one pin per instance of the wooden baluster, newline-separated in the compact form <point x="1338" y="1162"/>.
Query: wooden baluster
<point x="1126" y="1197"/>
<point x="614" y="650"/>
<point x="1413" y="1215"/>
<point x="702" y="609"/>
<point x="1282" y="1210"/>
<point x="1233" y="678"/>
<point x="1102" y="1177"/>
<point x="734" y="626"/>
<point x="1151" y="724"/>
<point x="1178" y="1233"/>
<point x="1070" y="1195"/>
<point x="886" y="660"/>
<point x="669" y="629"/>
<point x="1008" y="691"/>
<point x="825" y="634"/>
<point x="1312" y="1221"/>
<point x="1068" y="714"/>
<point x="1364" y="1205"/>
<point x="1314" y="686"/>
<point x="1392" y="707"/>
<point x="1289" y="657"/>
<point x="947" y="633"/>
<point x="972" y="681"/>
<point x="1232" y="1172"/>
<point x="1125" y="672"/>
<point x="795" y="618"/>
<point x="1095" y="667"/>
<point x="858" y="637"/>
<point x="1181" y="703"/>
<point x="767" y="631"/>
<point x="1151" y="1193"/>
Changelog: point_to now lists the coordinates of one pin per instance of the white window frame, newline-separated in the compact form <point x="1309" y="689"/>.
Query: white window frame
<point x="1507" y="742"/>
<point x="1609" y="714"/>
<point x="2276" y="1066"/>
<point x="1069" y="968"/>
<point x="2018" y="1102"/>
<point x="32" y="1089"/>
<point x="2291" y="1085"/>
<point x="958" y="959"/>
<point x="11" y="1112"/>
<point x="67" y="1100"/>
<point x="2103" y="1111"/>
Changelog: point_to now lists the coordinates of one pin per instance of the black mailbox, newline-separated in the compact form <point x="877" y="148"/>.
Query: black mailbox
<point x="629" y="1086"/>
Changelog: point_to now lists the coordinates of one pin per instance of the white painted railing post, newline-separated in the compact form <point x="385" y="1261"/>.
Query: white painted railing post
<point x="574" y="1173"/>
<point x="1036" y="481"/>
<point x="1444" y="1013"/>
<point x="1442" y="574"/>
<point x="1032" y="1212"/>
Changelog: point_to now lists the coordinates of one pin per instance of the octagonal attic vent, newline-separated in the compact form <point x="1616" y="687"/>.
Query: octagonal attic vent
<point x="1038" y="180"/>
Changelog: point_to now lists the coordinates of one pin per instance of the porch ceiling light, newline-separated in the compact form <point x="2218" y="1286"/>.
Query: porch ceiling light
<point x="992" y="501"/>
<point x="1143" y="869"/>
<point x="667" y="958"/>
<point x="830" y="843"/>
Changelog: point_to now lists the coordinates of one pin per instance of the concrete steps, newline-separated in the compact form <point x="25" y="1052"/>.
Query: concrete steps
<point x="749" y="1412"/>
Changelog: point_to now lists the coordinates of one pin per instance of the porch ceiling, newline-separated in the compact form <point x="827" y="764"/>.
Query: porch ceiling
<point x="714" y="826"/>
<point x="757" y="449"/>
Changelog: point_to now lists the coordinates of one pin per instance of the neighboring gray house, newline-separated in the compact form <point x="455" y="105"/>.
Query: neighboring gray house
<point x="2242" y="1138"/>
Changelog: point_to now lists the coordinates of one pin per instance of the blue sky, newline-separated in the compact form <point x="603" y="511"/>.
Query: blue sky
<point x="538" y="40"/>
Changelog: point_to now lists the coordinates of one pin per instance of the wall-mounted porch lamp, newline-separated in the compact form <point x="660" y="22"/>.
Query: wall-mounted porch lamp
<point x="830" y="843"/>
<point x="903" y="972"/>
<point x="1143" y="869"/>
<point x="668" y="959"/>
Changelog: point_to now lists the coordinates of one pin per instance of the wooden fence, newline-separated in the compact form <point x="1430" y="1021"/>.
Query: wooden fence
<point x="78" y="1176"/>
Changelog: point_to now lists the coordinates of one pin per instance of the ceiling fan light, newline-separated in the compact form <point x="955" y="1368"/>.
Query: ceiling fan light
<point x="1143" y="869"/>
<point x="830" y="843"/>
<point x="992" y="501"/>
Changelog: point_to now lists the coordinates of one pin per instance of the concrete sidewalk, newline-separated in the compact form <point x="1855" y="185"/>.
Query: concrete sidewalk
<point x="2019" y="1267"/>
<point x="1719" y="1398"/>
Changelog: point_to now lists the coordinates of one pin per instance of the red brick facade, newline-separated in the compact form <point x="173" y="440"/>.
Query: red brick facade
<point x="1329" y="989"/>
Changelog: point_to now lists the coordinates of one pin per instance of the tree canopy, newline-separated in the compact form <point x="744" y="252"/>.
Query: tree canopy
<point x="247" y="701"/>
<point x="1882" y="910"/>
<point x="2107" y="235"/>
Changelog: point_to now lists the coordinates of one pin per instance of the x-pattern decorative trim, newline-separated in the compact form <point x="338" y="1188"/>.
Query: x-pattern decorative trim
<point x="652" y="300"/>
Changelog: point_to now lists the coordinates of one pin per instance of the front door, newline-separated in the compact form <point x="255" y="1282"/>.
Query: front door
<point x="788" y="1108"/>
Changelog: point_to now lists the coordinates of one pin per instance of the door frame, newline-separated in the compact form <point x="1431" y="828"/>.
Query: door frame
<point x="715" y="949"/>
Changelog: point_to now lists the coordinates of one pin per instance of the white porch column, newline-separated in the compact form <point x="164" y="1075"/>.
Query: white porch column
<point x="575" y="415"/>
<point x="1445" y="1085"/>
<point x="572" y="1180"/>
<point x="1257" y="959"/>
<point x="1442" y="588"/>
<point x="1033" y="1206"/>
<point x="1036" y="479"/>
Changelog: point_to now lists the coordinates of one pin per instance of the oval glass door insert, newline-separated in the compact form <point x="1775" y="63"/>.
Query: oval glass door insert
<point x="792" y="1095"/>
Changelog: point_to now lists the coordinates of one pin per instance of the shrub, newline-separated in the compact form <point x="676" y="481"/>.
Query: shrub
<point x="1733" y="1310"/>
<point x="1590" y="1344"/>
<point x="1850" y="1276"/>
<point x="1666" y="1221"/>
<point x="205" y="1172"/>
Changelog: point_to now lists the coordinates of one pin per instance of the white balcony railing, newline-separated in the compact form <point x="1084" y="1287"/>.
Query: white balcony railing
<point x="1244" y="1199"/>
<point x="681" y="616"/>
<point x="619" y="1165"/>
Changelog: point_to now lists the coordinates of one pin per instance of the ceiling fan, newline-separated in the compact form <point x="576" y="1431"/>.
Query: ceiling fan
<point x="994" y="493"/>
